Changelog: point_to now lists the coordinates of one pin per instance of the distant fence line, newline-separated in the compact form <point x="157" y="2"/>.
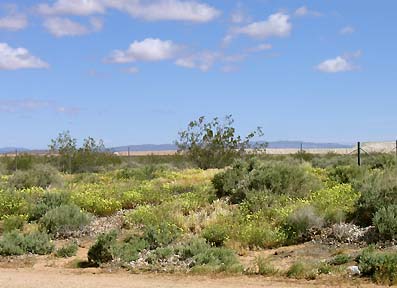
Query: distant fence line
<point x="360" y="147"/>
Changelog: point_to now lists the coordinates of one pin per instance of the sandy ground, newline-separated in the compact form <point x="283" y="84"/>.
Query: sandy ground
<point x="55" y="278"/>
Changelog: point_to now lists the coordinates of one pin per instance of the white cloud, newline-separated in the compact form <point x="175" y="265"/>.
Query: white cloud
<point x="304" y="11"/>
<point x="203" y="60"/>
<point x="132" y="70"/>
<point x="73" y="7"/>
<point x="347" y="30"/>
<point x="260" y="47"/>
<point x="339" y="64"/>
<point x="277" y="25"/>
<point x="30" y="105"/>
<point x="170" y="10"/>
<point x="61" y="27"/>
<point x="18" y="58"/>
<point x="13" y="22"/>
<point x="148" y="10"/>
<point x="147" y="50"/>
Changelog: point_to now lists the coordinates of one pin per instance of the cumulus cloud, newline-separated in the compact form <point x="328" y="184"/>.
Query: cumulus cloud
<point x="148" y="10"/>
<point x="30" y="105"/>
<point x="260" y="47"/>
<point x="13" y="22"/>
<point x="202" y="61"/>
<point x="347" y="30"/>
<point x="61" y="27"/>
<point x="277" y="25"/>
<point x="149" y="49"/>
<point x="339" y="64"/>
<point x="72" y="7"/>
<point x="304" y="11"/>
<point x="18" y="58"/>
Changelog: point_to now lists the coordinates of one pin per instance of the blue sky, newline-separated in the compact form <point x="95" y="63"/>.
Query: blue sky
<point x="136" y="71"/>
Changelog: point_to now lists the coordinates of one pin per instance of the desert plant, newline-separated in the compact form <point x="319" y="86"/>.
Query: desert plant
<point x="41" y="175"/>
<point x="381" y="267"/>
<point x="101" y="251"/>
<point x="216" y="234"/>
<point x="68" y="250"/>
<point x="213" y="144"/>
<point x="385" y="221"/>
<point x="63" y="220"/>
<point x="13" y="222"/>
<point x="15" y="243"/>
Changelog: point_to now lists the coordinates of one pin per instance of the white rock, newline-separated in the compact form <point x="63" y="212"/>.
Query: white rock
<point x="353" y="270"/>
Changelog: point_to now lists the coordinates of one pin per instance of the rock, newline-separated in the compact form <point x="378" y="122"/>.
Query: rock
<point x="353" y="270"/>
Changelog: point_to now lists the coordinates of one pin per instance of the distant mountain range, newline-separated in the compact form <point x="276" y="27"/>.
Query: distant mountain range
<point x="168" y="147"/>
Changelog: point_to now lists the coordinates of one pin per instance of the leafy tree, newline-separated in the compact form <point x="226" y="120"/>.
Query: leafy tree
<point x="66" y="147"/>
<point x="214" y="144"/>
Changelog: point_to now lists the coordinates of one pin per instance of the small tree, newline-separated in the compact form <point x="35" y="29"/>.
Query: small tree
<point x="214" y="144"/>
<point x="66" y="147"/>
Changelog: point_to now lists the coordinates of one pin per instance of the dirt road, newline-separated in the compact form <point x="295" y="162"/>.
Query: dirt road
<point x="30" y="278"/>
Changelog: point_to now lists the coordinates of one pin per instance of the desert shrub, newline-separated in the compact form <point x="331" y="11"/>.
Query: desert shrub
<point x="207" y="258"/>
<point x="39" y="243"/>
<point x="340" y="259"/>
<point x="15" y="243"/>
<point x="216" y="234"/>
<point x="98" y="199"/>
<point x="128" y="250"/>
<point x="49" y="200"/>
<point x="63" y="220"/>
<point x="146" y="172"/>
<point x="381" y="267"/>
<point x="277" y="178"/>
<point x="336" y="202"/>
<point x="12" y="203"/>
<point x="101" y="251"/>
<point x="12" y="243"/>
<point x="380" y="160"/>
<point x="68" y="250"/>
<point x="161" y="234"/>
<point x="331" y="160"/>
<point x="301" y="270"/>
<point x="257" y="234"/>
<point x="13" y="222"/>
<point x="378" y="190"/>
<point x="41" y="175"/>
<point x="300" y="221"/>
<point x="385" y="221"/>
<point x="213" y="144"/>
<point x="264" y="267"/>
<point x="345" y="174"/>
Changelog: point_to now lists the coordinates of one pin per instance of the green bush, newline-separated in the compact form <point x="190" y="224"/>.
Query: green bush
<point x="335" y="203"/>
<point x="49" y="200"/>
<point x="301" y="270"/>
<point x="385" y="221"/>
<point x="67" y="250"/>
<point x="12" y="203"/>
<point x="129" y="249"/>
<point x="63" y="220"/>
<point x="102" y="250"/>
<point x="378" y="190"/>
<point x="207" y="258"/>
<point x="15" y="243"/>
<point x="381" y="267"/>
<point x="216" y="234"/>
<point x="41" y="175"/>
<point x="275" y="177"/>
<point x="13" y="222"/>
<point x="161" y="235"/>
<point x="340" y="259"/>
<point x="300" y="221"/>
